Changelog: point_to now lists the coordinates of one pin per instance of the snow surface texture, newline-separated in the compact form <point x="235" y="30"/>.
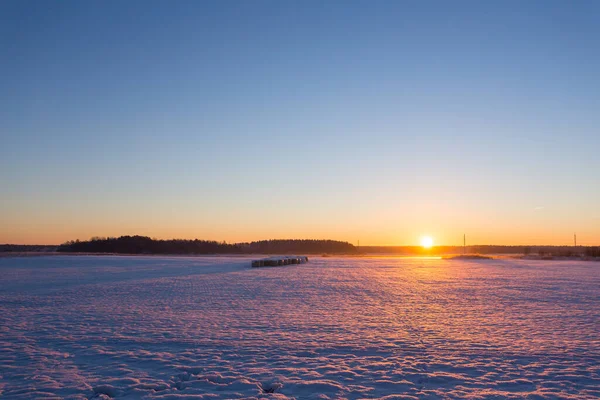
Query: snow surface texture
<point x="158" y="327"/>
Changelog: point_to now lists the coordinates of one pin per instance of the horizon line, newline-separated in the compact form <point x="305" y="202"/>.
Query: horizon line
<point x="322" y="239"/>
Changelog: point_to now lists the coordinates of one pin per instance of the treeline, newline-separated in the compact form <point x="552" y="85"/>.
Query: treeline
<point x="287" y="246"/>
<point x="23" y="248"/>
<point x="592" y="251"/>
<point x="146" y="245"/>
<point x="554" y="251"/>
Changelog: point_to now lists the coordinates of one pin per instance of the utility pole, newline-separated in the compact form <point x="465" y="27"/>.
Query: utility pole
<point x="575" y="239"/>
<point x="464" y="243"/>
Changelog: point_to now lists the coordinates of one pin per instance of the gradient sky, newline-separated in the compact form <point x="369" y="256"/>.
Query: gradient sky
<point x="242" y="120"/>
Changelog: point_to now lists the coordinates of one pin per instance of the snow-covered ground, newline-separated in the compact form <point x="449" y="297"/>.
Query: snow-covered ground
<point x="159" y="327"/>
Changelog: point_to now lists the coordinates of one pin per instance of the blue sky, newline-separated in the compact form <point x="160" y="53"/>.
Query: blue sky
<point x="380" y="121"/>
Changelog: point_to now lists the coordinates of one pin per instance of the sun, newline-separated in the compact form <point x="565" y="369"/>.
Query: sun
<point x="426" y="241"/>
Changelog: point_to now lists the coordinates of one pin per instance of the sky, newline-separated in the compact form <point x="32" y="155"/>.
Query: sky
<point x="379" y="121"/>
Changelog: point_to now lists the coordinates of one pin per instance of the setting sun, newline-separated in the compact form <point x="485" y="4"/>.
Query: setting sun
<point x="426" y="241"/>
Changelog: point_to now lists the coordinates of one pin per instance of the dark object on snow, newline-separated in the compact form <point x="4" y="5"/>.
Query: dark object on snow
<point x="280" y="260"/>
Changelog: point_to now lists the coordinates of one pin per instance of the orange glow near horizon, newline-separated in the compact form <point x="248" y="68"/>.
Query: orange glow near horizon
<point x="55" y="226"/>
<point x="427" y="242"/>
<point x="52" y="234"/>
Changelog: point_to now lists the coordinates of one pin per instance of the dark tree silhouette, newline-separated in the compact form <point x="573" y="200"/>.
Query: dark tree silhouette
<point x="146" y="245"/>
